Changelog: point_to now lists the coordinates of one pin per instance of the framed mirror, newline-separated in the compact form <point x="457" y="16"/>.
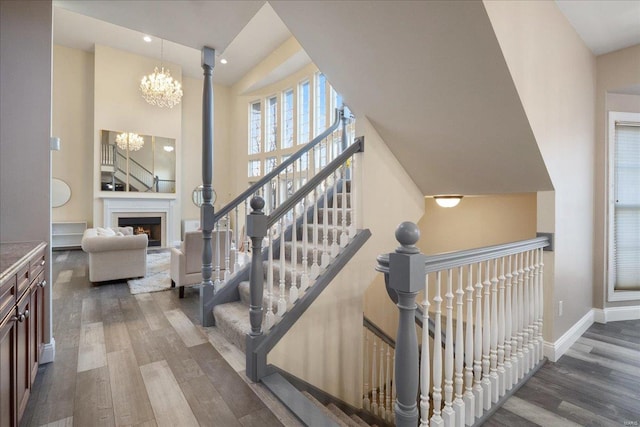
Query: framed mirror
<point x="137" y="163"/>
<point x="197" y="197"/>
<point x="60" y="193"/>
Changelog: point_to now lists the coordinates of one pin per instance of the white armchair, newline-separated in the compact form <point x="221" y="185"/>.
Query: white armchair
<point x="186" y="262"/>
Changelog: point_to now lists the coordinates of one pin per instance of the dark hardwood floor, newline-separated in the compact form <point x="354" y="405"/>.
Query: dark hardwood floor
<point x="596" y="383"/>
<point x="135" y="360"/>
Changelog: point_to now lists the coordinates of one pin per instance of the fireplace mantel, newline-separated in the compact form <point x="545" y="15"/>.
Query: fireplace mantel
<point x="128" y="206"/>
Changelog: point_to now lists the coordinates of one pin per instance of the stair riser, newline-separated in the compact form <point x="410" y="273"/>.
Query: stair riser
<point x="287" y="251"/>
<point x="320" y="233"/>
<point x="329" y="214"/>
<point x="287" y="276"/>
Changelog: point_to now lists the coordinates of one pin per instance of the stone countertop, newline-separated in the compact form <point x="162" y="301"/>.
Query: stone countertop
<point x="14" y="254"/>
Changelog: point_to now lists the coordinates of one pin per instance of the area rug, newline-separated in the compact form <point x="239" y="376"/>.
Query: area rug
<point x="157" y="277"/>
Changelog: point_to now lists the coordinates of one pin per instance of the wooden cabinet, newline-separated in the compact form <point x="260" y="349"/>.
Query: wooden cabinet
<point x="22" y="313"/>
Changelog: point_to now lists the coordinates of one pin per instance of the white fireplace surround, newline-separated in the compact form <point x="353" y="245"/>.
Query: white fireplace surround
<point x="131" y="207"/>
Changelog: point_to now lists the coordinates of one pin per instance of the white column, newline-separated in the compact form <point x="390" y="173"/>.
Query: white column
<point x="486" y="339"/>
<point x="493" y="354"/>
<point x="469" y="398"/>
<point x="436" y="418"/>
<point x="458" y="403"/>
<point x="525" y="315"/>
<point x="478" y="391"/>
<point x="530" y="321"/>
<point x="508" y="367"/>
<point x="521" y="361"/>
<point x="448" y="414"/>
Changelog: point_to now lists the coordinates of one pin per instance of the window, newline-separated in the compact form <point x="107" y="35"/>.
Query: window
<point x="255" y="131"/>
<point x="320" y="118"/>
<point x="270" y="164"/>
<point x="272" y="124"/>
<point x="304" y="112"/>
<point x="287" y="119"/>
<point x="254" y="168"/>
<point x="624" y="204"/>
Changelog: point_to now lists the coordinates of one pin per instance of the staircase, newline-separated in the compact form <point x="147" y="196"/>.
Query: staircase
<point x="116" y="167"/>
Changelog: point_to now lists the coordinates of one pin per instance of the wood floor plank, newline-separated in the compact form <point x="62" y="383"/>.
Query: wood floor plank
<point x="93" y="405"/>
<point x="91" y="351"/>
<point x="64" y="276"/>
<point x="154" y="315"/>
<point x="583" y="416"/>
<point x="167" y="400"/>
<point x="116" y="335"/>
<point x="505" y="418"/>
<point x="536" y="414"/>
<point x="177" y="356"/>
<point x="67" y="422"/>
<point x="260" y="418"/>
<point x="90" y="310"/>
<point x="207" y="404"/>
<point x="189" y="334"/>
<point x="606" y="362"/>
<point x="131" y="404"/>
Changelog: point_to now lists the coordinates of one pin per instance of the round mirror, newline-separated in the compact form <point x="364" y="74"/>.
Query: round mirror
<point x="60" y="193"/>
<point x="198" y="198"/>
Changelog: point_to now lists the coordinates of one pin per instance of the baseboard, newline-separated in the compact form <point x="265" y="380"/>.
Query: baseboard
<point x="48" y="352"/>
<point x="554" y="350"/>
<point x="616" y="314"/>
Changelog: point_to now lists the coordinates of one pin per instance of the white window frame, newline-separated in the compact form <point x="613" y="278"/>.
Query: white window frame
<point x="613" y="294"/>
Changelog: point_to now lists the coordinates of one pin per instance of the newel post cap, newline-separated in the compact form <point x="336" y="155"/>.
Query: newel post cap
<point x="406" y="264"/>
<point x="257" y="220"/>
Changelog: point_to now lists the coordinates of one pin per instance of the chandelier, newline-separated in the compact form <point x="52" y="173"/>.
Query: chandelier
<point x="129" y="141"/>
<point x="159" y="88"/>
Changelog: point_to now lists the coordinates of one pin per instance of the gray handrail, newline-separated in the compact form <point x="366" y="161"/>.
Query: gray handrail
<point x="456" y="259"/>
<point x="339" y="116"/>
<point x="378" y="332"/>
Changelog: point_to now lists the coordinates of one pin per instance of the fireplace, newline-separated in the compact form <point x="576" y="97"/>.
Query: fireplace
<point x="149" y="225"/>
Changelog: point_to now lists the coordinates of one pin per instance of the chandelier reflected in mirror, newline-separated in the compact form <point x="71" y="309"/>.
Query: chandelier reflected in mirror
<point x="159" y="88"/>
<point x="129" y="141"/>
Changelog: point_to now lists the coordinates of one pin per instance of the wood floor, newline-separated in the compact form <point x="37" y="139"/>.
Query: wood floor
<point x="596" y="383"/>
<point x="137" y="361"/>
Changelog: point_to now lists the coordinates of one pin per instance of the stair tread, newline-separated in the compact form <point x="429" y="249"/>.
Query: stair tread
<point x="326" y="410"/>
<point x="342" y="415"/>
<point x="359" y="421"/>
<point x="232" y="320"/>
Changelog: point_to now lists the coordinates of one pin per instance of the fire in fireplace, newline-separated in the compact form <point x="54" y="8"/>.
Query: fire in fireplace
<point x="151" y="226"/>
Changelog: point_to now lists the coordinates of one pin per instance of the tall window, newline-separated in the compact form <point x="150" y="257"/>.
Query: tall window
<point x="287" y="119"/>
<point x="320" y="117"/>
<point x="272" y="124"/>
<point x="624" y="202"/>
<point x="304" y="112"/>
<point x="255" y="128"/>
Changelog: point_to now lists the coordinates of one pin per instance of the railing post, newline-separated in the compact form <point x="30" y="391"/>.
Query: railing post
<point x="256" y="230"/>
<point x="407" y="278"/>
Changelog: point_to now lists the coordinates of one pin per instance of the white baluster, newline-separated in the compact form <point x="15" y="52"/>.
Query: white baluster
<point x="501" y="325"/>
<point x="493" y="354"/>
<point x="315" y="268"/>
<point x="282" y="302"/>
<point x="508" y="367"/>
<point x="325" y="258"/>
<point x="236" y="264"/>
<point x="521" y="361"/>
<point x="541" y="302"/>
<point x="436" y="418"/>
<point x="534" y="312"/>
<point x="247" y="240"/>
<point x="366" y="402"/>
<point x="227" y="270"/>
<point x="478" y="391"/>
<point x="387" y="385"/>
<point x="335" y="248"/>
<point x="515" y="322"/>
<point x="425" y="360"/>
<point x="293" y="288"/>
<point x="448" y="414"/>
<point x="269" y="317"/>
<point x="531" y="320"/>
<point x="374" y="397"/>
<point x="458" y="403"/>
<point x="351" y="228"/>
<point x="469" y="398"/>
<point x="216" y="229"/>
<point x="304" y="279"/>
<point x="486" y="339"/>
<point x="525" y="315"/>
<point x="344" y="236"/>
<point x="381" y="397"/>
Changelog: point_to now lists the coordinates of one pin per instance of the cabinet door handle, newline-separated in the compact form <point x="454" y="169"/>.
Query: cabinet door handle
<point x="16" y="318"/>
<point x="20" y="318"/>
<point x="42" y="284"/>
<point x="25" y="315"/>
<point x="42" y="262"/>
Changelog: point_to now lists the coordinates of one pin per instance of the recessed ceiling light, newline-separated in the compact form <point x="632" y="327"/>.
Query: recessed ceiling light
<point x="223" y="61"/>
<point x="147" y="39"/>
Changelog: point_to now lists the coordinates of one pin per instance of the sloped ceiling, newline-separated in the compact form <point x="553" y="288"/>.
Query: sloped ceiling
<point x="431" y="78"/>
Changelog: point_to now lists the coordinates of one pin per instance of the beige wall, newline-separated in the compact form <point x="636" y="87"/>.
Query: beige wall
<point x="615" y="71"/>
<point x="72" y="114"/>
<point x="555" y="75"/>
<point x="330" y="331"/>
<point x="25" y="126"/>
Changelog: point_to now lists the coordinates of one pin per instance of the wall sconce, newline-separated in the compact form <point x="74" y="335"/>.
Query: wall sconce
<point x="448" y="201"/>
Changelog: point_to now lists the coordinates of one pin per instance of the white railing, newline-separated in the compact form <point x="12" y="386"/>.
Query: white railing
<point x="489" y="301"/>
<point x="378" y="392"/>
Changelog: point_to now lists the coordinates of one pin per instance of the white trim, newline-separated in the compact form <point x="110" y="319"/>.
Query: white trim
<point x="612" y="294"/>
<point x="48" y="352"/>
<point x="553" y="351"/>
<point x="615" y="314"/>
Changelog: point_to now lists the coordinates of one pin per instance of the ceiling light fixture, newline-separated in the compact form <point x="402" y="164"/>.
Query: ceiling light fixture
<point x="147" y="39"/>
<point x="129" y="141"/>
<point x="448" y="201"/>
<point x="159" y="88"/>
<point x="223" y="61"/>
<point x="168" y="148"/>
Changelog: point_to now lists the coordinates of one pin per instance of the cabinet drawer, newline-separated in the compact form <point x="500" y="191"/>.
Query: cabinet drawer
<point x="24" y="279"/>
<point x="36" y="263"/>
<point x="7" y="296"/>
